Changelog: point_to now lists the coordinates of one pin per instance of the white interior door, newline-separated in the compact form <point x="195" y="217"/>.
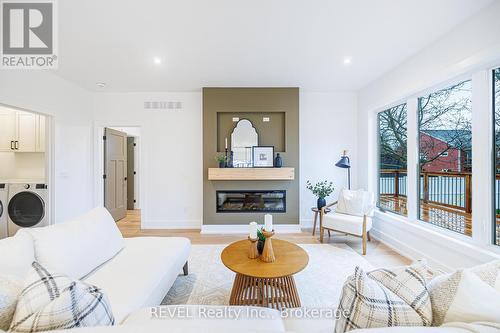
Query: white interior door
<point x="115" y="177"/>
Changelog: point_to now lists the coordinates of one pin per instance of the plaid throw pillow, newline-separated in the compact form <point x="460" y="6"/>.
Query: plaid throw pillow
<point x="54" y="301"/>
<point x="384" y="298"/>
<point x="9" y="293"/>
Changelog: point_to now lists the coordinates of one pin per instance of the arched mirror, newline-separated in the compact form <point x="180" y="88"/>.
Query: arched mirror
<point x="243" y="138"/>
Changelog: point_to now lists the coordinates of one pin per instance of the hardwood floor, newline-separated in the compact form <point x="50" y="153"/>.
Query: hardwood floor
<point x="378" y="254"/>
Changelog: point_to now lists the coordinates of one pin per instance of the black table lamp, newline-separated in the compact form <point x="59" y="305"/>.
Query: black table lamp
<point x="345" y="163"/>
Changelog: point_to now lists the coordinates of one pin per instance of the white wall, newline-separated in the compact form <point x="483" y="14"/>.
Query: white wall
<point x="171" y="154"/>
<point x="171" y="150"/>
<point x="22" y="166"/>
<point x="327" y="127"/>
<point x="43" y="92"/>
<point x="467" y="51"/>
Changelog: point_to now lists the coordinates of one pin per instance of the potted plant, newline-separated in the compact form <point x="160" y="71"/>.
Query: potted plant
<point x="262" y="239"/>
<point x="321" y="190"/>
<point x="221" y="158"/>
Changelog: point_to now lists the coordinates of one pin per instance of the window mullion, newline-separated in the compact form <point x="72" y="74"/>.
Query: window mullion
<point x="412" y="159"/>
<point x="482" y="155"/>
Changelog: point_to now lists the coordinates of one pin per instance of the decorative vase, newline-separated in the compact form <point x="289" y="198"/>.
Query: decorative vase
<point x="222" y="164"/>
<point x="278" y="161"/>
<point x="260" y="246"/>
<point x="321" y="203"/>
<point x="230" y="160"/>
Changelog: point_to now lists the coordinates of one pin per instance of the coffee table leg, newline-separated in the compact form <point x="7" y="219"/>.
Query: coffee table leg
<point x="276" y="293"/>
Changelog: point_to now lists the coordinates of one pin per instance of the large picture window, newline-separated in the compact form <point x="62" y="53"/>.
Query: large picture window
<point x="392" y="187"/>
<point x="496" y="110"/>
<point x="445" y="163"/>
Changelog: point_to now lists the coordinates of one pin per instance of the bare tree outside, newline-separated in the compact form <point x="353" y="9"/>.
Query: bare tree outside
<point x="445" y="124"/>
<point x="393" y="137"/>
<point x="392" y="125"/>
<point x="445" y="165"/>
<point x="444" y="115"/>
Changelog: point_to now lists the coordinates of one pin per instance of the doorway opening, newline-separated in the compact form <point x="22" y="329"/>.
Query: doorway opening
<point x="26" y="173"/>
<point x="121" y="172"/>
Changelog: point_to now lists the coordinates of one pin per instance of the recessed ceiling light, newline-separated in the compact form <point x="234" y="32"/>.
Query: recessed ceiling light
<point x="347" y="60"/>
<point x="101" y="84"/>
<point x="157" y="60"/>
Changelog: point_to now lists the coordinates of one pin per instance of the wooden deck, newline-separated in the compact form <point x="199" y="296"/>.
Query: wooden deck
<point x="442" y="216"/>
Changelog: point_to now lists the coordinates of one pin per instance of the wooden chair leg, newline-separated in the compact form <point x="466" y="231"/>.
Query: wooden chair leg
<point x="315" y="219"/>
<point x="321" y="231"/>
<point x="364" y="234"/>
<point x="364" y="243"/>
<point x="368" y="236"/>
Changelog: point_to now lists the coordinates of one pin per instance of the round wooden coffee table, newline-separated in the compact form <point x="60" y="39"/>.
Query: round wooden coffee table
<point x="265" y="284"/>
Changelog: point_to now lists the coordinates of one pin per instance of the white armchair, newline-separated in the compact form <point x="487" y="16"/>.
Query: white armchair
<point x="352" y="216"/>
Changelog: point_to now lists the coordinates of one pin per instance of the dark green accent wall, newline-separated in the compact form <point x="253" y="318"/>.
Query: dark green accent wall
<point x="219" y="106"/>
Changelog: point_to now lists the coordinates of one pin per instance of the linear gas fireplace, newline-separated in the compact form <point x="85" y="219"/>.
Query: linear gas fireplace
<point x="251" y="201"/>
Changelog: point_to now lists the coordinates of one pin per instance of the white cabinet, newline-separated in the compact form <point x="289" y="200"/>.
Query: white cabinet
<point x="7" y="129"/>
<point x="41" y="123"/>
<point x="26" y="132"/>
<point x="21" y="131"/>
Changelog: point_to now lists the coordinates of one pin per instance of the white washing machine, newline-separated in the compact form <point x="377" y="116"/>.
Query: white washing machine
<point x="3" y="210"/>
<point x="27" y="206"/>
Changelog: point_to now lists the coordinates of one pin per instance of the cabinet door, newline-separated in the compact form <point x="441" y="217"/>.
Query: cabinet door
<point x="7" y="129"/>
<point x="26" y="132"/>
<point x="40" y="135"/>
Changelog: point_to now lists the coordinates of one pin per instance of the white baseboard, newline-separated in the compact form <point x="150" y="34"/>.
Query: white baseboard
<point x="408" y="251"/>
<point x="243" y="229"/>
<point x="306" y="223"/>
<point x="443" y="250"/>
<point x="173" y="224"/>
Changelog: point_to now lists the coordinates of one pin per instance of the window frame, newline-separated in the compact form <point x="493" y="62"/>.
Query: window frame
<point x="418" y="96"/>
<point x="379" y="153"/>
<point x="482" y="240"/>
<point x="494" y="158"/>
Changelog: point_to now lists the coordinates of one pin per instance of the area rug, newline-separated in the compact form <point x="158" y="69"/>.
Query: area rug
<point x="320" y="284"/>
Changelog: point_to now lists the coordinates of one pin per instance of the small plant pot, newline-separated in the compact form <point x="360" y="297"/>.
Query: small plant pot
<point x="260" y="246"/>
<point x="222" y="164"/>
<point x="321" y="203"/>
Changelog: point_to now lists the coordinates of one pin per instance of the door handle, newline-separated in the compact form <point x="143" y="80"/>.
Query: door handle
<point x="12" y="145"/>
<point x="17" y="145"/>
<point x="125" y="179"/>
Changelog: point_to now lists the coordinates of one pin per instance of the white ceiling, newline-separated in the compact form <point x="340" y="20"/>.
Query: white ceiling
<point x="245" y="42"/>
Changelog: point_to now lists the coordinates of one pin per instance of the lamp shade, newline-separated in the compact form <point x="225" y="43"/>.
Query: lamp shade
<point x="343" y="162"/>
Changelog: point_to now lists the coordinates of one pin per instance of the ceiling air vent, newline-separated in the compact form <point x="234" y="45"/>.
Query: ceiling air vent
<point x="162" y="105"/>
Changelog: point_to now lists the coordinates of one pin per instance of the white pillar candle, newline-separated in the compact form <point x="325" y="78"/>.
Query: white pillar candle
<point x="226" y="143"/>
<point x="253" y="230"/>
<point x="268" y="222"/>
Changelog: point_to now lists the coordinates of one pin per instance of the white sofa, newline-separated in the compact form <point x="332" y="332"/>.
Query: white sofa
<point x="136" y="274"/>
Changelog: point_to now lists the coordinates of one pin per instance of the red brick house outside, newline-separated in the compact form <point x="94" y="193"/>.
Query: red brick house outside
<point x="445" y="150"/>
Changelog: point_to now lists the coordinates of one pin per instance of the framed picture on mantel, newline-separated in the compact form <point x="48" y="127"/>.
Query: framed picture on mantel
<point x="263" y="156"/>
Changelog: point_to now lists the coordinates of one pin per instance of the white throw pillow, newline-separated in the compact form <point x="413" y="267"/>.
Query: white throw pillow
<point x="352" y="202"/>
<point x="385" y="298"/>
<point x="16" y="256"/>
<point x="467" y="288"/>
<point x="9" y="293"/>
<point x="77" y="247"/>
<point x="51" y="301"/>
<point x="474" y="301"/>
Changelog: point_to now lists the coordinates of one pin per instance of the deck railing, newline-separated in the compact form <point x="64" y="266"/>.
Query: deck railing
<point x="451" y="189"/>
